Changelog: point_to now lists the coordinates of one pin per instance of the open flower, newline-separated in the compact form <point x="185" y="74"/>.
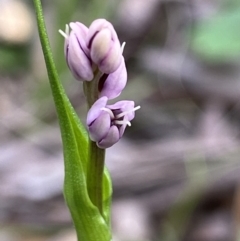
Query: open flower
<point x="104" y="46"/>
<point x="107" y="123"/>
<point x="76" y="51"/>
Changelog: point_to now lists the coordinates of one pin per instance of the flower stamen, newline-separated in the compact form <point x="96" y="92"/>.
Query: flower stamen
<point x="122" y="122"/>
<point x="66" y="33"/>
<point x="123" y="45"/>
<point x="108" y="111"/>
<point x="128" y="111"/>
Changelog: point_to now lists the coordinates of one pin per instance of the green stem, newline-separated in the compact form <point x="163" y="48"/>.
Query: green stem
<point x="91" y="89"/>
<point x="96" y="155"/>
<point x="95" y="175"/>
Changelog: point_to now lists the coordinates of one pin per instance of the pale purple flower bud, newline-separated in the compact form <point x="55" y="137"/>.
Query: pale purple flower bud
<point x="111" y="85"/>
<point x="104" y="45"/>
<point x="107" y="123"/>
<point x="76" y="52"/>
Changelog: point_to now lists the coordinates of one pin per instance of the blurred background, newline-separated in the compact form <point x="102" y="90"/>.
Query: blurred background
<point x="176" y="172"/>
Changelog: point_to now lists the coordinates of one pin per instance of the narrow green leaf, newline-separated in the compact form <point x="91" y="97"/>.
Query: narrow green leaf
<point x="89" y="224"/>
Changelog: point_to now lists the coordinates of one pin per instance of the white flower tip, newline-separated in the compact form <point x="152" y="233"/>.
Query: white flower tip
<point x="108" y="111"/>
<point x="67" y="29"/>
<point x="123" y="46"/>
<point x="63" y="33"/>
<point x="128" y="111"/>
<point x="124" y="122"/>
<point x="66" y="33"/>
<point x="128" y="123"/>
<point x="137" y="108"/>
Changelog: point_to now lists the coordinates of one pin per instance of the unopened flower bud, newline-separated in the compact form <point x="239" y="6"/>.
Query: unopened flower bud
<point x="76" y="51"/>
<point x="107" y="123"/>
<point x="111" y="85"/>
<point x="104" y="46"/>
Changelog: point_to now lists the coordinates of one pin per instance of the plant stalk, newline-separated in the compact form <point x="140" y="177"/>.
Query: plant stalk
<point x="96" y="155"/>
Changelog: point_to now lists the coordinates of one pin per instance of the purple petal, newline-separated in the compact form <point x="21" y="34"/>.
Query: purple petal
<point x="111" y="138"/>
<point x="122" y="106"/>
<point x="100" y="127"/>
<point x="77" y="60"/>
<point x="123" y="127"/>
<point x="101" y="45"/>
<point x="95" y="110"/>
<point x="96" y="26"/>
<point x="112" y="60"/>
<point x="115" y="82"/>
<point x="81" y="32"/>
<point x="104" y="45"/>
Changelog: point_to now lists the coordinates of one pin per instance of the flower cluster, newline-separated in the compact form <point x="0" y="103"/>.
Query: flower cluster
<point x="93" y="49"/>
